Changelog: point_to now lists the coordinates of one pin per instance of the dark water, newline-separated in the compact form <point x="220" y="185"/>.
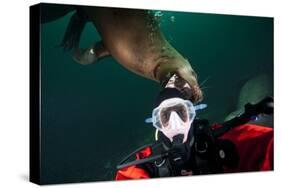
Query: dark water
<point x="92" y="116"/>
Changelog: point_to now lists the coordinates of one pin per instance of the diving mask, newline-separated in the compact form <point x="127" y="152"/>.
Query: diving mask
<point x="174" y="116"/>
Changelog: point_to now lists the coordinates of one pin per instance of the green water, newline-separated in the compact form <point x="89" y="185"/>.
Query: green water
<point x="92" y="116"/>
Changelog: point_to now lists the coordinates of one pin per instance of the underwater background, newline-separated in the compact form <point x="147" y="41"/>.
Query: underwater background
<point x="93" y="116"/>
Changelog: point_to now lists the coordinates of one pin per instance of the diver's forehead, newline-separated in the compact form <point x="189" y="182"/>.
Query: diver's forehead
<point x="171" y="102"/>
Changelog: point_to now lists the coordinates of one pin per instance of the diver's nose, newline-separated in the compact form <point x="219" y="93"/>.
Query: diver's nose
<point x="175" y="120"/>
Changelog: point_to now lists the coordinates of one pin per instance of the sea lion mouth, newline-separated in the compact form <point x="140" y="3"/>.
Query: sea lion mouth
<point x="162" y="76"/>
<point x="197" y="94"/>
<point x="189" y="91"/>
<point x="155" y="73"/>
<point x="185" y="87"/>
<point x="192" y="92"/>
<point x="186" y="79"/>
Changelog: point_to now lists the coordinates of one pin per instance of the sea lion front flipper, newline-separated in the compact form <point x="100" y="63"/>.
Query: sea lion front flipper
<point x="74" y="30"/>
<point x="90" y="55"/>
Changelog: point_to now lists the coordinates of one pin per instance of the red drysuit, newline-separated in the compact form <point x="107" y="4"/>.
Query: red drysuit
<point x="254" y="145"/>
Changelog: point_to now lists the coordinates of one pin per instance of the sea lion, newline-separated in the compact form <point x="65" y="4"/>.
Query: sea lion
<point x="253" y="91"/>
<point x="132" y="37"/>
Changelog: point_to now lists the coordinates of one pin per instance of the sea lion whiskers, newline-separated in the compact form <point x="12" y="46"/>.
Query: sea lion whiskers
<point x="206" y="87"/>
<point x="204" y="82"/>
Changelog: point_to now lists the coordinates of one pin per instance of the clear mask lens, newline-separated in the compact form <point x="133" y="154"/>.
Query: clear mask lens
<point x="174" y="116"/>
<point x="180" y="110"/>
<point x="161" y="115"/>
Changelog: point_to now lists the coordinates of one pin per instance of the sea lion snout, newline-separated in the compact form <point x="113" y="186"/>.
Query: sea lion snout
<point x="190" y="89"/>
<point x="186" y="78"/>
<point x="197" y="94"/>
<point x="187" y="74"/>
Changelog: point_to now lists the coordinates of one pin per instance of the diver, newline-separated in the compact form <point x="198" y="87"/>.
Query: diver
<point x="187" y="146"/>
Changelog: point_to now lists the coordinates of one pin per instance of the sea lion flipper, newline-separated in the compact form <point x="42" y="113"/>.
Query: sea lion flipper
<point x="90" y="55"/>
<point x="74" y="30"/>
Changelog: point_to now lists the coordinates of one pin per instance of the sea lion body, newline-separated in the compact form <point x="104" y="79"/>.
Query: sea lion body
<point x="134" y="39"/>
<point x="253" y="91"/>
